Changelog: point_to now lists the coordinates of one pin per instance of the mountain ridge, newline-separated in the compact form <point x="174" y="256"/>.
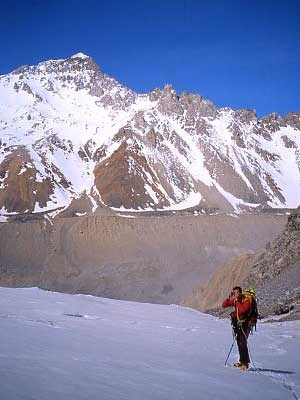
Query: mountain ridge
<point x="68" y="130"/>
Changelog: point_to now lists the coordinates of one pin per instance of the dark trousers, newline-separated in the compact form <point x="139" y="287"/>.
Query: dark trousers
<point x="242" y="333"/>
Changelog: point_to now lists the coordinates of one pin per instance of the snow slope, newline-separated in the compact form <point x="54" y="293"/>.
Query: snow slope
<point x="80" y="347"/>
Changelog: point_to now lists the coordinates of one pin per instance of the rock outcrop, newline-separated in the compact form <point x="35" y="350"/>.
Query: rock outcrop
<point x="274" y="272"/>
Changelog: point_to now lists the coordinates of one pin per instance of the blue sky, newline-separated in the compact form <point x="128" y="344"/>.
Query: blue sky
<point x="240" y="54"/>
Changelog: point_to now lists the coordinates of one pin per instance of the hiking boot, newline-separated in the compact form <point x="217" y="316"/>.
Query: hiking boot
<point x="243" y="366"/>
<point x="237" y="364"/>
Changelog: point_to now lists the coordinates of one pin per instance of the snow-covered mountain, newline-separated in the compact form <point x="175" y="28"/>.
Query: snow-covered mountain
<point x="82" y="347"/>
<point x="70" y="135"/>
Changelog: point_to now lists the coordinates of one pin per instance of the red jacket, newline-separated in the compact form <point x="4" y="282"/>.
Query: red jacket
<point x="241" y="307"/>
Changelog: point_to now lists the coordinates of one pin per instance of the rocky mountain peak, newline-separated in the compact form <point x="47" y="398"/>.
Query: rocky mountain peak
<point x="70" y="117"/>
<point x="78" y="62"/>
<point x="246" y="115"/>
<point x="293" y="120"/>
<point x="80" y="55"/>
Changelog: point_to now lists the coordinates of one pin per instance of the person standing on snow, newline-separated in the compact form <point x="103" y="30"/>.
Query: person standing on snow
<point x="239" y="322"/>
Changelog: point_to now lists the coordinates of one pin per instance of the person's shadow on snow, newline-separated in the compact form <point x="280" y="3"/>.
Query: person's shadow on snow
<point x="273" y="371"/>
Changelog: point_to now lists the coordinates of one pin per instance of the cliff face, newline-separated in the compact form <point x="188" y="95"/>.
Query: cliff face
<point x="21" y="186"/>
<point x="274" y="272"/>
<point x="153" y="259"/>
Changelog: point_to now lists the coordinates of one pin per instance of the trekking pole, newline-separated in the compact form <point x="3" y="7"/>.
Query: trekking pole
<point x="230" y="350"/>
<point x="251" y="358"/>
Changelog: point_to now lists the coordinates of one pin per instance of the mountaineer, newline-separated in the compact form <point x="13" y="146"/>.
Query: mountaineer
<point x="242" y="320"/>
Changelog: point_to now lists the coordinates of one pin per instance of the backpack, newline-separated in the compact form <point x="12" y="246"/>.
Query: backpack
<point x="252" y="316"/>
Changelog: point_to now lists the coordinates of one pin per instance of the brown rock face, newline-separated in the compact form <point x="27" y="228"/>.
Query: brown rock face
<point x="20" y="190"/>
<point x="223" y="280"/>
<point x="153" y="259"/>
<point x="124" y="170"/>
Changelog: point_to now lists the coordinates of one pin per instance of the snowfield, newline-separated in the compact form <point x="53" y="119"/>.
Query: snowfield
<point x="59" y="346"/>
